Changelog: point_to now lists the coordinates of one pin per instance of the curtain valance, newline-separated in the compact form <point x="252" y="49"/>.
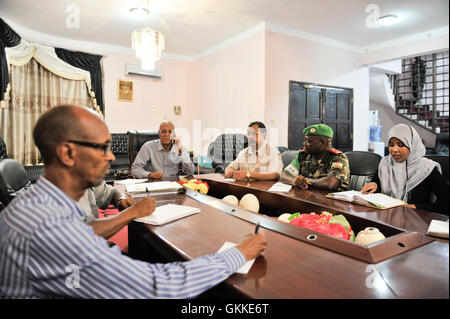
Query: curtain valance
<point x="8" y="38"/>
<point x="88" y="62"/>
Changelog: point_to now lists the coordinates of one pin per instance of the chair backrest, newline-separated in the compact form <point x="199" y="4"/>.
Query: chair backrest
<point x="226" y="147"/>
<point x="282" y="149"/>
<point x="135" y="140"/>
<point x="443" y="161"/>
<point x="13" y="180"/>
<point x="3" y="153"/>
<point x="363" y="166"/>
<point x="441" y="145"/>
<point x="287" y="157"/>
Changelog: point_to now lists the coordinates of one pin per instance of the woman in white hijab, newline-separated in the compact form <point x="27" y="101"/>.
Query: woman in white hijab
<point x="406" y="174"/>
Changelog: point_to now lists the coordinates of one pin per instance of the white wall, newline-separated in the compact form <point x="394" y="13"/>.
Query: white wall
<point x="290" y="58"/>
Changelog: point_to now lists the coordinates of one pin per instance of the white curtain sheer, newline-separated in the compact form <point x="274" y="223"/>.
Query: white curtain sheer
<point x="34" y="89"/>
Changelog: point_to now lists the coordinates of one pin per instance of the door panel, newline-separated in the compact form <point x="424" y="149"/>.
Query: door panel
<point x="308" y="106"/>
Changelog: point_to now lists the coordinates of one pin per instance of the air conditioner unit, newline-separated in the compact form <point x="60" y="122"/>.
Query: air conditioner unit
<point x="134" y="69"/>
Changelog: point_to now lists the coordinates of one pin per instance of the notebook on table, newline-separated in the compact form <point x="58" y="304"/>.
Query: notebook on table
<point x="167" y="213"/>
<point x="375" y="200"/>
<point x="155" y="187"/>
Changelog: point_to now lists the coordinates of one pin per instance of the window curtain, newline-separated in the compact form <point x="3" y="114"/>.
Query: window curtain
<point x="90" y="63"/>
<point x="8" y="38"/>
<point x="33" y="90"/>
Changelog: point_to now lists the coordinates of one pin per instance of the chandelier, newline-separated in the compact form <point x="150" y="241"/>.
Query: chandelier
<point x="147" y="42"/>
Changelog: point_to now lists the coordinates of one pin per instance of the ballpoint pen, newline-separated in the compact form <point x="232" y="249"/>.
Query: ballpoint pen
<point x="257" y="228"/>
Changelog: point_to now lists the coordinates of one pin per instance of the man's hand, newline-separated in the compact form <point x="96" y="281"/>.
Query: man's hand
<point x="369" y="188"/>
<point x="155" y="175"/>
<point x="253" y="246"/>
<point x="228" y="172"/>
<point x="177" y="142"/>
<point x="144" y="207"/>
<point x="125" y="203"/>
<point x="302" y="182"/>
<point x="240" y="175"/>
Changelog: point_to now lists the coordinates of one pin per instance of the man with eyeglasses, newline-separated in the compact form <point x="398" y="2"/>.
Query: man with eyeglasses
<point x="162" y="158"/>
<point x="258" y="161"/>
<point x="43" y="238"/>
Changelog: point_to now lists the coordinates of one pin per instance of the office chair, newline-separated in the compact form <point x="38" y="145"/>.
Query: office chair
<point x="225" y="149"/>
<point x="3" y="153"/>
<point x="13" y="180"/>
<point x="135" y="140"/>
<point x="363" y="166"/>
<point x="287" y="157"/>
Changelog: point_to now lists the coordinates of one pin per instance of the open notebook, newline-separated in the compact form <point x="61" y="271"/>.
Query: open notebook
<point x="375" y="200"/>
<point x="167" y="213"/>
<point x="155" y="187"/>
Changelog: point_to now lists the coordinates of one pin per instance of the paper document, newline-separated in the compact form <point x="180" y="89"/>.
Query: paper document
<point x="165" y="186"/>
<point x="438" y="228"/>
<point x="167" y="213"/>
<point x="376" y="200"/>
<point x="244" y="269"/>
<point x="280" y="187"/>
<point x="131" y="181"/>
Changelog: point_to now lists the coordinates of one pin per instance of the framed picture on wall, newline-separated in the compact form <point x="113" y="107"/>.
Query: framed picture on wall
<point x="125" y="90"/>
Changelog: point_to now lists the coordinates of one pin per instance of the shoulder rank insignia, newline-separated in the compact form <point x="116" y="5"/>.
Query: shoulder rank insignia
<point x="337" y="165"/>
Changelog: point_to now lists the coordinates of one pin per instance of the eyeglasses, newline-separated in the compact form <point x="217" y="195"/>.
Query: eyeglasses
<point x="165" y="131"/>
<point x="105" y="147"/>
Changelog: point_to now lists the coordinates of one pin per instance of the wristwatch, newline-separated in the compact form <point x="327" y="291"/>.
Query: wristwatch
<point x="248" y="175"/>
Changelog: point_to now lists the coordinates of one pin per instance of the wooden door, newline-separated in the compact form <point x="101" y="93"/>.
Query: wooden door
<point x="312" y="105"/>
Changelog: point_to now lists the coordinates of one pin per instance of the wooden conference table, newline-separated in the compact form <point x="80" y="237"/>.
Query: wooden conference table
<point x="300" y="263"/>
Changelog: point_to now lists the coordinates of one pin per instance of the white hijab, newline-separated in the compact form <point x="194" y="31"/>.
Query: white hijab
<point x="398" y="179"/>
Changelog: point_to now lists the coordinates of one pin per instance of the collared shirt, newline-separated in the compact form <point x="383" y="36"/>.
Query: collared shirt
<point x="266" y="160"/>
<point x="153" y="158"/>
<point x="99" y="197"/>
<point x="46" y="250"/>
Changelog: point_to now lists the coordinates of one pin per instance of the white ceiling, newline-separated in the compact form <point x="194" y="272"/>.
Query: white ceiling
<point x="193" y="26"/>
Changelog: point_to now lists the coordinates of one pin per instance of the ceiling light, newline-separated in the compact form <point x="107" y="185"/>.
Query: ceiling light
<point x="387" y="20"/>
<point x="139" y="13"/>
<point x="147" y="42"/>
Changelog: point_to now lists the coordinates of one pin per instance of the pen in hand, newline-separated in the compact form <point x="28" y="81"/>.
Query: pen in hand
<point x="257" y="228"/>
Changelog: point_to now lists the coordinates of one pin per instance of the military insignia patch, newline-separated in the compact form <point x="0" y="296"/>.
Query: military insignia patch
<point x="312" y="130"/>
<point x="338" y="165"/>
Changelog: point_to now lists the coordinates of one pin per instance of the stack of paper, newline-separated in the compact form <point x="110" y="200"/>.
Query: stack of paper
<point x="131" y="181"/>
<point x="153" y="187"/>
<point x="438" y="228"/>
<point x="167" y="213"/>
<point x="280" y="187"/>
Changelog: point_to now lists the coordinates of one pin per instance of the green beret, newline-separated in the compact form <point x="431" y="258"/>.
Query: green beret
<point x="319" y="130"/>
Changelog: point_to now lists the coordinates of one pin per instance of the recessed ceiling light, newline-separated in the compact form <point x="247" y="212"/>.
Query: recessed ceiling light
<point x="387" y="20"/>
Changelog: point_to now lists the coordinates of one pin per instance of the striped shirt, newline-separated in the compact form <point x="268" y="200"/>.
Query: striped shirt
<point x="46" y="250"/>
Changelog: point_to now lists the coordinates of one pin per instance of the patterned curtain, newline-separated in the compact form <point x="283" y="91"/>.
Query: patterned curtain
<point x="33" y="90"/>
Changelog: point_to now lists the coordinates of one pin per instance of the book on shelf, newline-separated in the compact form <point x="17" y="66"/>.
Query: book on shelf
<point x="374" y="200"/>
<point x="167" y="213"/>
<point x="154" y="187"/>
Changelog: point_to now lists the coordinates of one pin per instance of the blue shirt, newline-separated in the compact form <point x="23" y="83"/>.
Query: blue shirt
<point x="46" y="250"/>
<point x="152" y="157"/>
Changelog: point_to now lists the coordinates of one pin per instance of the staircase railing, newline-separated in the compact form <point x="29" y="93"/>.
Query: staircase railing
<point x="422" y="91"/>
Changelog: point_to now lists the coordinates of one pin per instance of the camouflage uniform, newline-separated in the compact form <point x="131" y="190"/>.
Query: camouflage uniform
<point x="334" y="163"/>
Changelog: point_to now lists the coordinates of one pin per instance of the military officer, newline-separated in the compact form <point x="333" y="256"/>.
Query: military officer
<point x="318" y="164"/>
